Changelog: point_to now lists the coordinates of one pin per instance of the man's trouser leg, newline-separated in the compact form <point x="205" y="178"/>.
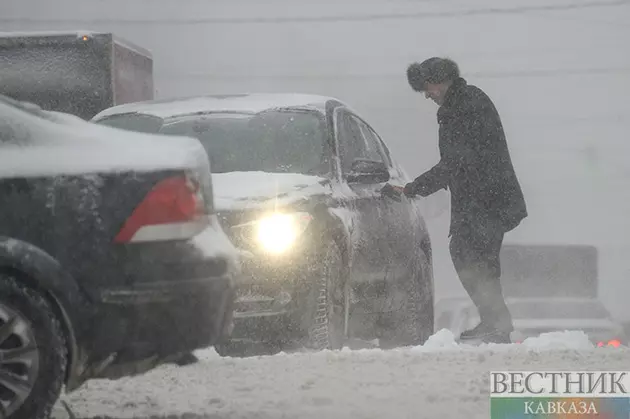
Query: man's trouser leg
<point x="475" y="254"/>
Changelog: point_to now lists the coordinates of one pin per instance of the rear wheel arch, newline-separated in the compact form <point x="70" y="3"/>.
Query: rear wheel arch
<point x="45" y="376"/>
<point x="38" y="271"/>
<point x="56" y="306"/>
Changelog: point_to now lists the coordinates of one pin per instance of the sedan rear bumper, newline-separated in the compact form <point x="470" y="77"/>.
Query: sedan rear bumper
<point x="163" y="291"/>
<point x="160" y="320"/>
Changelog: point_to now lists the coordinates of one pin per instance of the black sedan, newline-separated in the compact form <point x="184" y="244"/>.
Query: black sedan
<point x="297" y="181"/>
<point x="112" y="260"/>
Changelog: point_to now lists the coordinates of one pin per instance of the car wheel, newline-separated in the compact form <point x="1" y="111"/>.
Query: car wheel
<point x="413" y="323"/>
<point x="327" y="299"/>
<point x="33" y="353"/>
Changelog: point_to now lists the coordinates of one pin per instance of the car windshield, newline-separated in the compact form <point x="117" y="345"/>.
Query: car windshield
<point x="272" y="141"/>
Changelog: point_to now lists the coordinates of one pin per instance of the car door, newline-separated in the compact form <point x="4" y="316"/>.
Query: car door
<point x="399" y="217"/>
<point x="371" y="262"/>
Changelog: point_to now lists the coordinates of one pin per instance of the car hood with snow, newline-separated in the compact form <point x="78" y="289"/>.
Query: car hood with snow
<point x="260" y="190"/>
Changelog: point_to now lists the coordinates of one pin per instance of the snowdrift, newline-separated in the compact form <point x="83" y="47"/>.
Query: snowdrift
<point x="439" y="379"/>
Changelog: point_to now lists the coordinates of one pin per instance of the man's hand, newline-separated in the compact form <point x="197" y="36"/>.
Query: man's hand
<point x="408" y="190"/>
<point x="393" y="192"/>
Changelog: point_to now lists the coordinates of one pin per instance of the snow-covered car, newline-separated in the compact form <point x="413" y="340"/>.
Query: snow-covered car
<point x="297" y="181"/>
<point x="112" y="260"/>
<point x="534" y="316"/>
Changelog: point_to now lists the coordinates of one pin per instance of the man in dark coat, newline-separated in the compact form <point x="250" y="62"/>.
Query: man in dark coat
<point x="486" y="198"/>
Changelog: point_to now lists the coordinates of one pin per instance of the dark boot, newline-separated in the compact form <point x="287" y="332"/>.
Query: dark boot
<point x="186" y="359"/>
<point x="481" y="331"/>
<point x="486" y="334"/>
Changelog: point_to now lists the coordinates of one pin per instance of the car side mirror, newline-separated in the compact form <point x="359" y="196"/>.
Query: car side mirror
<point x="368" y="171"/>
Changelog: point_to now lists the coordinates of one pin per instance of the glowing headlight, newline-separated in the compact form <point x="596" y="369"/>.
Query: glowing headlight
<point x="277" y="232"/>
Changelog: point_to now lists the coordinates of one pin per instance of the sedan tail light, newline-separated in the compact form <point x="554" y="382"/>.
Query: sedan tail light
<point x="173" y="210"/>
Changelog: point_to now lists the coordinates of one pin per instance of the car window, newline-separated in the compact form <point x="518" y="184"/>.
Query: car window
<point x="354" y="143"/>
<point x="351" y="141"/>
<point x="373" y="144"/>
<point x="277" y="141"/>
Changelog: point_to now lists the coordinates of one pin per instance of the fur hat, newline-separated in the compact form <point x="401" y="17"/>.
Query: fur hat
<point x="434" y="70"/>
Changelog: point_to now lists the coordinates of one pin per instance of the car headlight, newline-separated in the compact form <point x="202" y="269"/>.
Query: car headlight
<point x="277" y="232"/>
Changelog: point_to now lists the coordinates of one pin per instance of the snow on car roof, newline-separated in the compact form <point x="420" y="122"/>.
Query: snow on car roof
<point x="250" y="103"/>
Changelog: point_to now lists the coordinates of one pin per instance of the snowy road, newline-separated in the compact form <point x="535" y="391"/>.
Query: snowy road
<point x="440" y="379"/>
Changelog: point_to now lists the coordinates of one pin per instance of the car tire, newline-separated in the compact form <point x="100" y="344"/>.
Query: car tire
<point x="413" y="323"/>
<point x="325" y="315"/>
<point x="30" y="333"/>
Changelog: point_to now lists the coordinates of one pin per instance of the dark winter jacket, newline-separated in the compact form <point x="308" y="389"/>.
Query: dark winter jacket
<point x="474" y="164"/>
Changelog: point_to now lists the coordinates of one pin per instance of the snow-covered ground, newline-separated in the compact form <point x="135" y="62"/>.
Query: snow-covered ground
<point x="440" y="379"/>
